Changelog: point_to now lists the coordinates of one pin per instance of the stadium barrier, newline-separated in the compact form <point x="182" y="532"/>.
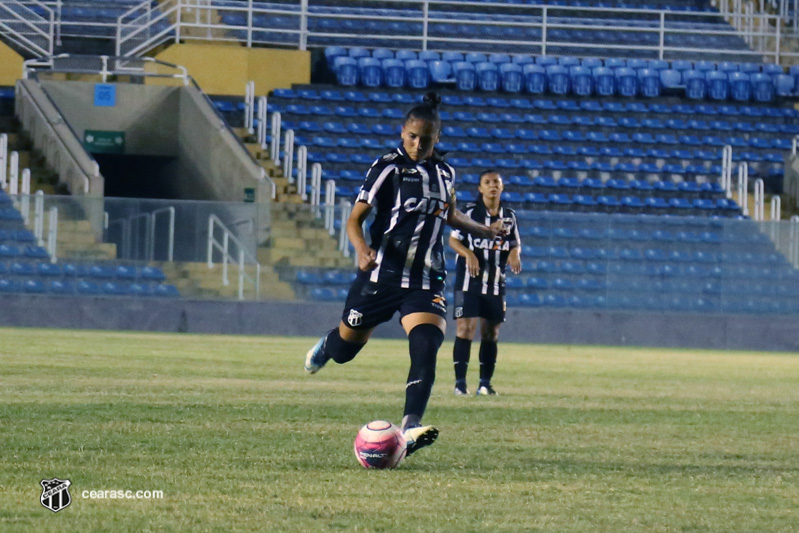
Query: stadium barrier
<point x="431" y="25"/>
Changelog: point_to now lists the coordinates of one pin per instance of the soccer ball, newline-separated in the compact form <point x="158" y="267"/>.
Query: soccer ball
<point x="380" y="444"/>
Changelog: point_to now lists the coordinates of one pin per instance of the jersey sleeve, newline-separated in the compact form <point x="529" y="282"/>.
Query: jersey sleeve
<point x="514" y="239"/>
<point x="379" y="173"/>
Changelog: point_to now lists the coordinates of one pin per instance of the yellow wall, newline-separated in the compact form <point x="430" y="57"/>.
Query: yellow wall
<point x="225" y="69"/>
<point x="10" y="65"/>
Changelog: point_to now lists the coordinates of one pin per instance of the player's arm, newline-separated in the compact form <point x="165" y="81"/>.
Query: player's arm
<point x="515" y="260"/>
<point x="460" y="221"/>
<point x="366" y="256"/>
<point x="472" y="264"/>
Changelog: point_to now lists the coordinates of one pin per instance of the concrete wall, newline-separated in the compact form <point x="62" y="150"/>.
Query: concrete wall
<point x="544" y="326"/>
<point x="221" y="69"/>
<point x="147" y="114"/>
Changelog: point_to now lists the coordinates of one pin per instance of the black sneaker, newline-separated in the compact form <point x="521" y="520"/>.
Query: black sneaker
<point x="486" y="390"/>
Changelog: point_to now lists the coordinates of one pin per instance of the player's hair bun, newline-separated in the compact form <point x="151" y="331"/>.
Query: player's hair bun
<point x="432" y="99"/>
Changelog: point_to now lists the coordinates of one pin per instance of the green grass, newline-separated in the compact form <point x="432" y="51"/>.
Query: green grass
<point x="238" y="438"/>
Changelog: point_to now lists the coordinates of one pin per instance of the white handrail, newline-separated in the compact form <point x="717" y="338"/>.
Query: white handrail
<point x="726" y="170"/>
<point x="262" y="118"/>
<point x="240" y="258"/>
<point x="316" y="185"/>
<point x="25" y="192"/>
<point x="343" y="238"/>
<point x="4" y="161"/>
<point x="26" y="28"/>
<point x="249" y="106"/>
<point x="759" y="200"/>
<point x="13" y="174"/>
<point x="302" y="172"/>
<point x="776" y="208"/>
<point x="38" y="217"/>
<point x="52" y="234"/>
<point x="288" y="156"/>
<point x="743" y="187"/>
<point x="330" y="206"/>
<point x="274" y="149"/>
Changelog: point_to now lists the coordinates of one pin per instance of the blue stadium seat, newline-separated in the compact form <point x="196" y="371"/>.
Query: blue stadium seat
<point x="558" y="79"/>
<point x="718" y="87"/>
<point x="604" y="81"/>
<point x="695" y="84"/>
<point x="346" y="69"/>
<point x="512" y="77"/>
<point x="581" y="80"/>
<point x="626" y="82"/>
<point x="649" y="81"/>
<point x="370" y="71"/>
<point x="394" y="73"/>
<point x="382" y="53"/>
<point x="440" y="71"/>
<point x="405" y="55"/>
<point x="476" y="57"/>
<point x="546" y="61"/>
<point x="740" y="87"/>
<point x="417" y="74"/>
<point x="429" y="55"/>
<point x="784" y="85"/>
<point x="332" y="52"/>
<point x="535" y="80"/>
<point x="487" y="76"/>
<point x="465" y="76"/>
<point x="762" y="87"/>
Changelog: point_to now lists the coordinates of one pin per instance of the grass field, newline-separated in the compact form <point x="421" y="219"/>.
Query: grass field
<point x="238" y="438"/>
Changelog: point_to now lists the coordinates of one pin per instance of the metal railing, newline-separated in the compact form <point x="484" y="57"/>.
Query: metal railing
<point x="29" y="25"/>
<point x="242" y="257"/>
<point x="444" y="25"/>
<point x="138" y="234"/>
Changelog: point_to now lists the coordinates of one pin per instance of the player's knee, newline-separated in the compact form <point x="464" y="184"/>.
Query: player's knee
<point x="490" y="333"/>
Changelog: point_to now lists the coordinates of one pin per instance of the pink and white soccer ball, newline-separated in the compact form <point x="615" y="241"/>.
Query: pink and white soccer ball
<point x="380" y="444"/>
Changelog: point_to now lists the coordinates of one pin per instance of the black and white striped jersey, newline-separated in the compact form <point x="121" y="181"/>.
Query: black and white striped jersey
<point x="492" y="254"/>
<point x="411" y="201"/>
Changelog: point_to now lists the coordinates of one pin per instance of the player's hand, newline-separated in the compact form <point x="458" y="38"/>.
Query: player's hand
<point x="497" y="228"/>
<point x="367" y="261"/>
<point x="515" y="263"/>
<point x="472" y="265"/>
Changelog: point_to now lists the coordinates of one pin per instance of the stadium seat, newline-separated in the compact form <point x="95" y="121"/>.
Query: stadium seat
<point x="465" y="76"/>
<point x="626" y="82"/>
<point x="695" y="84"/>
<point x="581" y="80"/>
<point x="511" y="77"/>
<point x="417" y="74"/>
<point x="370" y="71"/>
<point x="346" y="69"/>
<point x="649" y="81"/>
<point x="762" y="87"/>
<point x="558" y="79"/>
<point x="487" y="76"/>
<point x="740" y="86"/>
<point x="717" y="85"/>
<point x="393" y="73"/>
<point x="604" y="81"/>
<point x="440" y="71"/>
<point x="535" y="80"/>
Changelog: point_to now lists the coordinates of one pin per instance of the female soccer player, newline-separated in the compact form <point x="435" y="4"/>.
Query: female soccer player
<point x="480" y="282"/>
<point x="402" y="267"/>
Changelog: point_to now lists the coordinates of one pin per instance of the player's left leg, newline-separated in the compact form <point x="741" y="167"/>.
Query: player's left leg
<point x="489" y="332"/>
<point x="425" y="335"/>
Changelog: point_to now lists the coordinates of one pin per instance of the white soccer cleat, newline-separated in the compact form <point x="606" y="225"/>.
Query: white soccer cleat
<point x="315" y="359"/>
<point x="486" y="390"/>
<point x="417" y="437"/>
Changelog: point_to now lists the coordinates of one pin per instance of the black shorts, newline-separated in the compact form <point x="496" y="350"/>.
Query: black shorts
<point x="473" y="304"/>
<point x="369" y="304"/>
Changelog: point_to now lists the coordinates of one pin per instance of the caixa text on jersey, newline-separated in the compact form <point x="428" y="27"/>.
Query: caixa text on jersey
<point x="428" y="206"/>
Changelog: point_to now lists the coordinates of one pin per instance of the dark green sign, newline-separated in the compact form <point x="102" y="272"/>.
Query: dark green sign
<point x="104" y="142"/>
<point x="249" y="194"/>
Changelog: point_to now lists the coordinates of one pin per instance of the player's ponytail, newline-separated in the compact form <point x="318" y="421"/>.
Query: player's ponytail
<point x="427" y="110"/>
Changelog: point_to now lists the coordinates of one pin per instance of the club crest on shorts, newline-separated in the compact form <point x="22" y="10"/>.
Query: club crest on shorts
<point x="355" y="319"/>
<point x="55" y="494"/>
<point x="459" y="312"/>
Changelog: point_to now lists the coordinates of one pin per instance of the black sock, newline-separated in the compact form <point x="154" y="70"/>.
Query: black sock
<point x="488" y="360"/>
<point x="339" y="350"/>
<point x="460" y="356"/>
<point x="423" y="343"/>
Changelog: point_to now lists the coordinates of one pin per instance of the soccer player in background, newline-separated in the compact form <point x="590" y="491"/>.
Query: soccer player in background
<point x="480" y="281"/>
<point x="411" y="190"/>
